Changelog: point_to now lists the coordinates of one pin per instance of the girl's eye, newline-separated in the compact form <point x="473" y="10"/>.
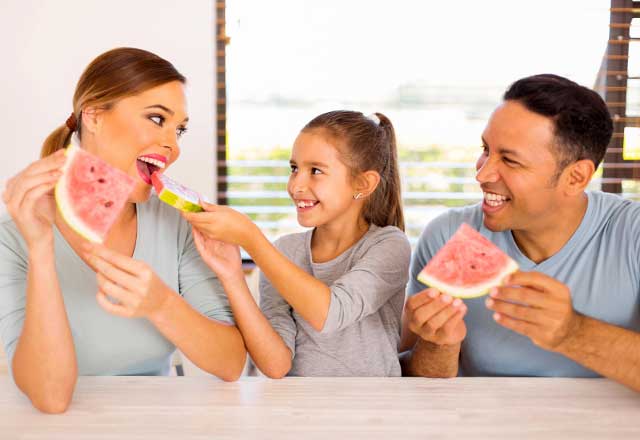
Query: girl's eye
<point x="157" y="119"/>
<point x="180" y="131"/>
<point x="316" y="171"/>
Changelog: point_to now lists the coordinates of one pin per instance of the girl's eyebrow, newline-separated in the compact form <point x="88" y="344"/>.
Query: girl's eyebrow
<point x="311" y="164"/>
<point x="166" y="109"/>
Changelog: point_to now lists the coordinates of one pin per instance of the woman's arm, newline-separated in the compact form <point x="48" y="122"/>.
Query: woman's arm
<point x="44" y="362"/>
<point x="214" y="346"/>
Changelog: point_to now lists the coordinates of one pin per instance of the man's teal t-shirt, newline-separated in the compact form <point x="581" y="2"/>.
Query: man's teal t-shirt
<point x="600" y="264"/>
<point x="106" y="344"/>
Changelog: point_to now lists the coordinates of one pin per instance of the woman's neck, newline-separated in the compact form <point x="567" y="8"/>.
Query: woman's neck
<point x="332" y="239"/>
<point x="121" y="237"/>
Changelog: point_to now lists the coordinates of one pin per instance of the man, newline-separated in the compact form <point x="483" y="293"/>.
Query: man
<point x="573" y="309"/>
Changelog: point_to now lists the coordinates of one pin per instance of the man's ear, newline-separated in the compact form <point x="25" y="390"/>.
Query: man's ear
<point x="367" y="182"/>
<point x="577" y="176"/>
<point x="91" y="119"/>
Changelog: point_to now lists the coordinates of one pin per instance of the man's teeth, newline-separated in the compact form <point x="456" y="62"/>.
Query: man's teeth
<point x="494" y="199"/>
<point x="156" y="162"/>
<point x="303" y="204"/>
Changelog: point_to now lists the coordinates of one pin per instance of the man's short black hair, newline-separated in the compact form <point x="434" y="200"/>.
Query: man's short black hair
<point x="583" y="125"/>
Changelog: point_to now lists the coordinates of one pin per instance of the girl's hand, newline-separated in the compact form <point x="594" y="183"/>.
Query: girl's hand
<point x="223" y="258"/>
<point x="222" y="223"/>
<point x="138" y="291"/>
<point x="30" y="201"/>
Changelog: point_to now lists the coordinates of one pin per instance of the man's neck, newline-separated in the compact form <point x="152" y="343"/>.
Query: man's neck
<point x="542" y="243"/>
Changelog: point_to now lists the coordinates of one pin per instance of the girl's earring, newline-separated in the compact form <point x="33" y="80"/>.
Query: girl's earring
<point x="357" y="196"/>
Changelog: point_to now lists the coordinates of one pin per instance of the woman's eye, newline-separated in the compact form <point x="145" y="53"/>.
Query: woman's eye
<point x="316" y="171"/>
<point x="157" y="119"/>
<point x="181" y="131"/>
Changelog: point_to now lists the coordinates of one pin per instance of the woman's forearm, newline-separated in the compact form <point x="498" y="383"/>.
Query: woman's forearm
<point x="307" y="295"/>
<point x="267" y="349"/>
<point x="216" y="347"/>
<point x="44" y="363"/>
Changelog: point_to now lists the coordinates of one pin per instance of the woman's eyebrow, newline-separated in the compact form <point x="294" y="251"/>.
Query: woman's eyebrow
<point x="160" y="106"/>
<point x="166" y="109"/>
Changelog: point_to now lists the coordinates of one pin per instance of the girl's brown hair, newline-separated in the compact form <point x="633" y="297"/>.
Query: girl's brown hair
<point x="116" y="74"/>
<point x="370" y="143"/>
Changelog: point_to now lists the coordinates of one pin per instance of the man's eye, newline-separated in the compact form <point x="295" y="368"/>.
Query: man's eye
<point x="316" y="171"/>
<point x="157" y="119"/>
<point x="294" y="168"/>
<point x="509" y="161"/>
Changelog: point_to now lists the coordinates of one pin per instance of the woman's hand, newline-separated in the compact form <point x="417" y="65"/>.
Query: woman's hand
<point x="223" y="223"/>
<point x="30" y="201"/>
<point x="138" y="291"/>
<point x="223" y="258"/>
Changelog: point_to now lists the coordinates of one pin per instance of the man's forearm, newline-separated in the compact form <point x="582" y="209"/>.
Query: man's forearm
<point x="611" y="351"/>
<point x="430" y="360"/>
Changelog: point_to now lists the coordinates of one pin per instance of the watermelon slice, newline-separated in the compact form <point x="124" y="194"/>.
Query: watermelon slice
<point x="467" y="266"/>
<point x="175" y="194"/>
<point x="91" y="193"/>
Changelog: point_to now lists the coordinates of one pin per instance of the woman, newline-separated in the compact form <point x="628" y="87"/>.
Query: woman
<point x="153" y="290"/>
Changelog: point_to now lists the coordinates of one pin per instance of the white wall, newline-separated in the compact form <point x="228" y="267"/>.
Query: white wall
<point x="47" y="44"/>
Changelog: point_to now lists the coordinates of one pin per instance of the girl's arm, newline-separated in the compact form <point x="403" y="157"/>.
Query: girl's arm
<point x="44" y="361"/>
<point x="267" y="349"/>
<point x="307" y="295"/>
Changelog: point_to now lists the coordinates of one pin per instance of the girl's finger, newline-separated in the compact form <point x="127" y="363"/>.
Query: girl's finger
<point x="114" y="309"/>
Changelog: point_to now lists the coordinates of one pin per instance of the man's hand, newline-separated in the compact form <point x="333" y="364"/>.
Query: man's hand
<point x="537" y="306"/>
<point x="436" y="317"/>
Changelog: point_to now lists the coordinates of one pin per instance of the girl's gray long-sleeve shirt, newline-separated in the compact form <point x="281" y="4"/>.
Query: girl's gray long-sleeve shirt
<point x="362" y="331"/>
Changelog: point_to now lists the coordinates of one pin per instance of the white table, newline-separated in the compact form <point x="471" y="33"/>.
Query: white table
<point x="302" y="408"/>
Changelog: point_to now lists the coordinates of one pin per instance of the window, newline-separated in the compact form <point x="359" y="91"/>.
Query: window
<point x="436" y="69"/>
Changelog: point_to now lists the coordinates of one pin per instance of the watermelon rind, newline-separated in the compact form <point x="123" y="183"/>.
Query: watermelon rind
<point x="64" y="204"/>
<point x="469" y="292"/>
<point x="178" y="202"/>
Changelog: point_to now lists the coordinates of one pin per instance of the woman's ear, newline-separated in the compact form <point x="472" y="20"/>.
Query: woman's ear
<point x="90" y="119"/>
<point x="367" y="183"/>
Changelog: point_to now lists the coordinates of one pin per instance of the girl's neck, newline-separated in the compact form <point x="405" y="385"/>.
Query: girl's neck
<point x="332" y="239"/>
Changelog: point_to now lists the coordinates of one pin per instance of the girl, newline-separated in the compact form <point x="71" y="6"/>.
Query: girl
<point x="128" y="107"/>
<point x="331" y="297"/>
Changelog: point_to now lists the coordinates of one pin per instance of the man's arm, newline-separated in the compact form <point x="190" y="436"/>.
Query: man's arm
<point x="539" y="307"/>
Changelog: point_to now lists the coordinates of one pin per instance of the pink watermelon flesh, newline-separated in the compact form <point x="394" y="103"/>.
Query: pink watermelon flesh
<point x="94" y="192"/>
<point x="468" y="265"/>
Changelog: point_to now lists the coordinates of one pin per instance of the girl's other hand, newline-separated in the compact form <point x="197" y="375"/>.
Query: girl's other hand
<point x="223" y="258"/>
<point x="223" y="223"/>
<point x="30" y="201"/>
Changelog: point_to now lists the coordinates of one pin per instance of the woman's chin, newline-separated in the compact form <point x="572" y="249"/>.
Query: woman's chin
<point x="140" y="194"/>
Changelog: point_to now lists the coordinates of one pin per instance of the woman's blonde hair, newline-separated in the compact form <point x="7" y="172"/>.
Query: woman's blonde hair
<point x="116" y="74"/>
